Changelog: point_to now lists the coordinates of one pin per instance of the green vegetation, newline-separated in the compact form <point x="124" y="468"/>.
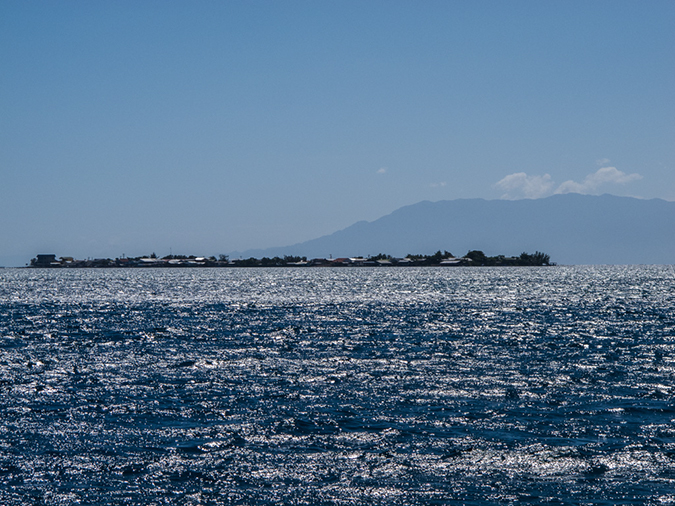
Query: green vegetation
<point x="434" y="259"/>
<point x="525" y="259"/>
<point x="380" y="256"/>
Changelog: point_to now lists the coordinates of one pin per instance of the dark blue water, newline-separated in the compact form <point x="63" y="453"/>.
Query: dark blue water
<point x="338" y="386"/>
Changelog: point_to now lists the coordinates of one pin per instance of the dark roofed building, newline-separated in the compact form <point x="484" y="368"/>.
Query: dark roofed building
<point x="43" y="260"/>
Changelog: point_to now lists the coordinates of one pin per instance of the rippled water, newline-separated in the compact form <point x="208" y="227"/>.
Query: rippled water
<point x="338" y="386"/>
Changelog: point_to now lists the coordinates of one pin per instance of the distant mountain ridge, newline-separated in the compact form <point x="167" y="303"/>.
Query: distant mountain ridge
<point x="571" y="228"/>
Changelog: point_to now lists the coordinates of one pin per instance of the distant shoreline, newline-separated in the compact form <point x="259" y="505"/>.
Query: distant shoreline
<point x="473" y="258"/>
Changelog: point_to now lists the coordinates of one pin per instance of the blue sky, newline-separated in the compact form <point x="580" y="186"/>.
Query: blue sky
<point x="211" y="127"/>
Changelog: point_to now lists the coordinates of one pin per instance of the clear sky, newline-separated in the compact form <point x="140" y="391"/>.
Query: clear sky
<point x="208" y="127"/>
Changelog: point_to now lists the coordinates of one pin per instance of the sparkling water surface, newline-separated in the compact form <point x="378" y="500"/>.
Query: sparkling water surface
<point x="338" y="386"/>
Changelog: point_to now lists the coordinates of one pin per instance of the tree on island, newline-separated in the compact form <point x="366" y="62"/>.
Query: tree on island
<point x="380" y="256"/>
<point x="434" y="259"/>
<point x="538" y="258"/>
<point x="477" y="257"/>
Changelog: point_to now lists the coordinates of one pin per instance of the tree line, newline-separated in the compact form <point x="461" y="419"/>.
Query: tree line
<point x="440" y="258"/>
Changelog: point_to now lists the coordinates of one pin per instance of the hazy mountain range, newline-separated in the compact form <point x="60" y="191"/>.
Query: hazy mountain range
<point x="571" y="228"/>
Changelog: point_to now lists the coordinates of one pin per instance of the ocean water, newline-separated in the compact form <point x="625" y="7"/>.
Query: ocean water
<point x="338" y="386"/>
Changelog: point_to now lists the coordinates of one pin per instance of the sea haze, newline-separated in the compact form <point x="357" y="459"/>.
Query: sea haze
<point x="337" y="386"/>
<point x="571" y="228"/>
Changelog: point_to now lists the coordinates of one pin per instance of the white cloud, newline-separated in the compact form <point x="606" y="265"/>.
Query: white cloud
<point x="593" y="182"/>
<point x="437" y="185"/>
<point x="521" y="185"/>
<point x="602" y="161"/>
<point x="382" y="170"/>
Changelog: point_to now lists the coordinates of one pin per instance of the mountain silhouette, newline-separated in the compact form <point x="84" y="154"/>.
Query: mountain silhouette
<point x="571" y="228"/>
